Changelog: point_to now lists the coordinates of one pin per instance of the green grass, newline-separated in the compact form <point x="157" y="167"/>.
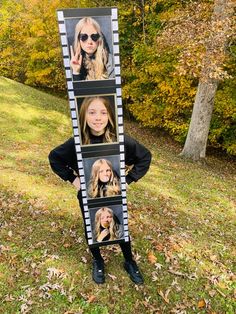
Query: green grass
<point x="181" y="215"/>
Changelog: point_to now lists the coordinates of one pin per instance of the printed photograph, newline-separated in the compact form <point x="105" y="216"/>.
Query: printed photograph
<point x="102" y="176"/>
<point x="90" y="44"/>
<point x="107" y="223"/>
<point x="97" y="119"/>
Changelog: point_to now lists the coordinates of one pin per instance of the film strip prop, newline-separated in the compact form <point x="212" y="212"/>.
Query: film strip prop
<point x="110" y="157"/>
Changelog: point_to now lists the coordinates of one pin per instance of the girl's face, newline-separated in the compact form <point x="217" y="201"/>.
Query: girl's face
<point x="106" y="219"/>
<point x="104" y="173"/>
<point x="97" y="117"/>
<point x="89" y="46"/>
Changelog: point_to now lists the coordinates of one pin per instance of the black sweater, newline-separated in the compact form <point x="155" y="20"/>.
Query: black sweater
<point x="63" y="159"/>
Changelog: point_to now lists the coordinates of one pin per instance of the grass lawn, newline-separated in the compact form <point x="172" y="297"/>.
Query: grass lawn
<point x="182" y="220"/>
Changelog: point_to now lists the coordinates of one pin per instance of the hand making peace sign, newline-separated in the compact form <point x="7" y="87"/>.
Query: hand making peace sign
<point x="76" y="60"/>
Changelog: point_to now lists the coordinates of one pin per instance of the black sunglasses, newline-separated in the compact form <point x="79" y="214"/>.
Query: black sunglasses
<point x="85" y="37"/>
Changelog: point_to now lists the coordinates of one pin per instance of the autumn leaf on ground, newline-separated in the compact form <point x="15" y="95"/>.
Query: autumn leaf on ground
<point x="116" y="288"/>
<point x="158" y="266"/>
<point x="159" y="247"/>
<point x="78" y="273"/>
<point x="113" y="277"/>
<point x="66" y="245"/>
<point x="152" y="258"/>
<point x="213" y="258"/>
<point x="91" y="299"/>
<point x="84" y="259"/>
<point x="10" y="234"/>
<point x="4" y="248"/>
<point x="212" y="293"/>
<point x="9" y="298"/>
<point x="201" y="304"/>
<point x="154" y="276"/>
<point x="165" y="295"/>
<point x="55" y="272"/>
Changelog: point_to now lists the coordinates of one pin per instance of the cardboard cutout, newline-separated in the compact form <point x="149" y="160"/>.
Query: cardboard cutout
<point x="90" y="48"/>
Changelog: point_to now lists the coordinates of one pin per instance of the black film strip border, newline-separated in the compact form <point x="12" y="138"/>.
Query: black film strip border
<point x="71" y="95"/>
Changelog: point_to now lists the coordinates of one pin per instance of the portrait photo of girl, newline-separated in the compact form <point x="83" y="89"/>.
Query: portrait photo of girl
<point x="107" y="226"/>
<point x="97" y="120"/>
<point x="104" y="180"/>
<point x="91" y="58"/>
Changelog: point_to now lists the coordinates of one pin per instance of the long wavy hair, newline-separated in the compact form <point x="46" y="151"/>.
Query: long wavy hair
<point x="96" y="188"/>
<point x="110" y="129"/>
<point x="96" y="66"/>
<point x="113" y="227"/>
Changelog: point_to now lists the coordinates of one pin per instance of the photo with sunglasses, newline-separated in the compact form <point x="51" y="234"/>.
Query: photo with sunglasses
<point x="90" y="54"/>
<point x="84" y="37"/>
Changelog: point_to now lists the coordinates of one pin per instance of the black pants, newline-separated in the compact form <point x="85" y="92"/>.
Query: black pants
<point x="125" y="246"/>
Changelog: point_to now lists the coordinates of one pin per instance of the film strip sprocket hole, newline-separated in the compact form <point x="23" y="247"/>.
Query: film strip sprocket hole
<point x="107" y="19"/>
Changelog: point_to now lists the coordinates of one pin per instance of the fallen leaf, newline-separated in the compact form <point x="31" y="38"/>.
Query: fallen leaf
<point x="212" y="293"/>
<point x="10" y="234"/>
<point x="201" y="304"/>
<point x="91" y="299"/>
<point x="158" y="266"/>
<point x="113" y="277"/>
<point x="213" y="258"/>
<point x="55" y="272"/>
<point x="152" y="258"/>
<point x="159" y="247"/>
<point x="154" y="276"/>
<point x="4" y="248"/>
<point x="9" y="298"/>
<point x="66" y="245"/>
<point x="84" y="259"/>
<point x="165" y="296"/>
<point x="116" y="288"/>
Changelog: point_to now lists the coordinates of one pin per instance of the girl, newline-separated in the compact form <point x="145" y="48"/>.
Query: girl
<point x="90" y="58"/>
<point x="96" y="118"/>
<point x="107" y="226"/>
<point x="63" y="161"/>
<point x="103" y="180"/>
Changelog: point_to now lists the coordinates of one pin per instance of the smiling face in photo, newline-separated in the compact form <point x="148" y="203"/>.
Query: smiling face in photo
<point x="90" y="44"/>
<point x="97" y="117"/>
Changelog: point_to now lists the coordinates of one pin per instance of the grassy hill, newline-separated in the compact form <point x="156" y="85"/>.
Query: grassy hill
<point x="182" y="221"/>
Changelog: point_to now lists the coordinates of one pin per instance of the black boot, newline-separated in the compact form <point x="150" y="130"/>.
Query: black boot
<point x="133" y="271"/>
<point x="98" y="271"/>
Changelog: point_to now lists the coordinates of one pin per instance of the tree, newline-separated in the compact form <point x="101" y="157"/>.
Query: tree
<point x="196" y="141"/>
<point x="162" y="79"/>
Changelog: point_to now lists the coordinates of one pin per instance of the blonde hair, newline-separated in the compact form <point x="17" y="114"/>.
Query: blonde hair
<point x="110" y="188"/>
<point x="110" y="129"/>
<point x="96" y="67"/>
<point x="113" y="227"/>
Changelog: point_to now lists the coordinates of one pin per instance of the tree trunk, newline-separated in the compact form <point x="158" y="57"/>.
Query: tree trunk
<point x="195" y="145"/>
<point x="196" y="141"/>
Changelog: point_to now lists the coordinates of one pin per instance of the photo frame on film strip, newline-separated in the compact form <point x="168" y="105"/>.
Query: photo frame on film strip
<point x="92" y="67"/>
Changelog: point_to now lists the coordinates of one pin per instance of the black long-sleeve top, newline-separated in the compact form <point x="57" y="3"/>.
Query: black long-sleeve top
<point x="63" y="159"/>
